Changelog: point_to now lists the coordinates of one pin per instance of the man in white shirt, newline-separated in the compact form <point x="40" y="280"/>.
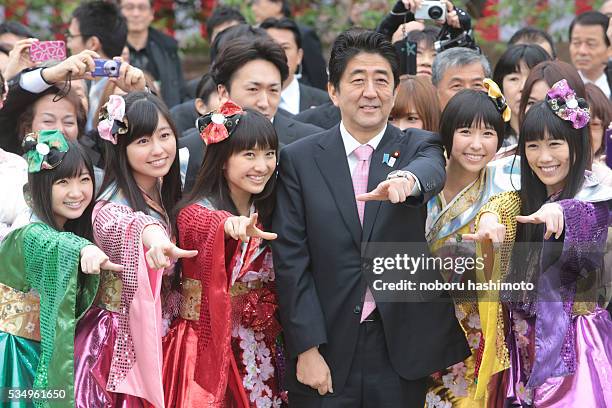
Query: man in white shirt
<point x="590" y="48"/>
<point x="295" y="97"/>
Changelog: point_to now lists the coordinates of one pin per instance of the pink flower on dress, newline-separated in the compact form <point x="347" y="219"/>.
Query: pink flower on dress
<point x="474" y="340"/>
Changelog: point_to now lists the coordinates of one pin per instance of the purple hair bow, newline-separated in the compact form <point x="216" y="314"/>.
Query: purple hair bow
<point x="563" y="101"/>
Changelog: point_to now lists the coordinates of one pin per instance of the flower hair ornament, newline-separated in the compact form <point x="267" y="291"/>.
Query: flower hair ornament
<point x="563" y="101"/>
<point x="44" y="150"/>
<point x="112" y="119"/>
<point x="498" y="98"/>
<point x="217" y="126"/>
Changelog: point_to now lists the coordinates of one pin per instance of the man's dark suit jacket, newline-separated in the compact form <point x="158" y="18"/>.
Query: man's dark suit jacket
<point x="317" y="256"/>
<point x="313" y="63"/>
<point x="311" y="97"/>
<point x="325" y="116"/>
<point x="184" y="116"/>
<point x="289" y="130"/>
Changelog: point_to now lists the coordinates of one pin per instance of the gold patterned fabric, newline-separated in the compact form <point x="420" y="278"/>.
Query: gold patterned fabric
<point x="109" y="294"/>
<point x="19" y="313"/>
<point x="495" y="356"/>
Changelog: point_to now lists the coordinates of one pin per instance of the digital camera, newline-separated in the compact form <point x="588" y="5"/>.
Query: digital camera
<point x="431" y="10"/>
<point x="106" y="68"/>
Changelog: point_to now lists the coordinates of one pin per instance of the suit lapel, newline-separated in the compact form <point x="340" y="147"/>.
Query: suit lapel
<point x="378" y="173"/>
<point x="334" y="167"/>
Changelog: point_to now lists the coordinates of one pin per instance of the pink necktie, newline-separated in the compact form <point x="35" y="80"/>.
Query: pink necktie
<point x="360" y="185"/>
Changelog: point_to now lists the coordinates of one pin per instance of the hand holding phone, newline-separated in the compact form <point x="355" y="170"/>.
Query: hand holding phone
<point x="41" y="51"/>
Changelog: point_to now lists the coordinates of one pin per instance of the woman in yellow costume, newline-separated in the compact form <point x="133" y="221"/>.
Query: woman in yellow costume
<point x="472" y="128"/>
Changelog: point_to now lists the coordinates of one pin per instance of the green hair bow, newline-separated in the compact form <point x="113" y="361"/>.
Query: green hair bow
<point x="44" y="150"/>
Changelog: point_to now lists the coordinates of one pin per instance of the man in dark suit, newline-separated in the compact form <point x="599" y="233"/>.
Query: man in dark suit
<point x="250" y="72"/>
<point x="153" y="51"/>
<point x="313" y="68"/>
<point x="296" y="96"/>
<point x="344" y="351"/>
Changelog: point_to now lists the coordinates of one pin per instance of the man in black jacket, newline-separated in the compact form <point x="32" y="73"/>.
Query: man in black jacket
<point x="153" y="51"/>
<point x="313" y="67"/>
<point x="296" y="96"/>
<point x="344" y="351"/>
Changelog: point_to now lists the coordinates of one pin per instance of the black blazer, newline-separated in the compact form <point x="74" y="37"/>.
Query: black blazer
<point x="325" y="116"/>
<point x="318" y="256"/>
<point x="184" y="116"/>
<point x="289" y="130"/>
<point x="193" y="142"/>
<point x="311" y="97"/>
<point x="313" y="64"/>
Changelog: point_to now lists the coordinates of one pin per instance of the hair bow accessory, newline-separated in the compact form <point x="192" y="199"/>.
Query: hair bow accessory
<point x="563" y="101"/>
<point x="498" y="98"/>
<point x="44" y="150"/>
<point x="112" y="119"/>
<point x="217" y="126"/>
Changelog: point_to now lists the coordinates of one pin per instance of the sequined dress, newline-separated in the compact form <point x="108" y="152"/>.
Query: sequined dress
<point x="42" y="296"/>
<point x="118" y="342"/>
<point x="468" y="383"/>
<point x="560" y="348"/>
<point x="224" y="349"/>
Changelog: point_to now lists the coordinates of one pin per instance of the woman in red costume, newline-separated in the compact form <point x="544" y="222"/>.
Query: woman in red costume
<point x="225" y="350"/>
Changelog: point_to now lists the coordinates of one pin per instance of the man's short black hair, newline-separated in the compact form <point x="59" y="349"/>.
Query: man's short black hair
<point x="284" y="24"/>
<point x="228" y="35"/>
<point x="103" y="20"/>
<point x="243" y="50"/>
<point x="222" y="15"/>
<point x="357" y="40"/>
<point x="533" y="35"/>
<point x="591" y="18"/>
<point x="16" y="28"/>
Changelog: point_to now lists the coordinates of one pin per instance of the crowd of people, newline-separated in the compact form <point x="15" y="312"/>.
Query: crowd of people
<point x="172" y="243"/>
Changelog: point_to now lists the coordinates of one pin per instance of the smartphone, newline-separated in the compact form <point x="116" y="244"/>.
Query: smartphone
<point x="608" y="137"/>
<point x="406" y="52"/>
<point x="106" y="68"/>
<point x="41" y="51"/>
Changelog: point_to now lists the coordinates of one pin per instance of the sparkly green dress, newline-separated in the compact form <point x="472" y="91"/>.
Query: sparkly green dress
<point x="42" y="296"/>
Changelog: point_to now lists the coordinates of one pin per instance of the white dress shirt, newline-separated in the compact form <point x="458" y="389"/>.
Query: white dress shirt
<point x="290" y="97"/>
<point x="601" y="83"/>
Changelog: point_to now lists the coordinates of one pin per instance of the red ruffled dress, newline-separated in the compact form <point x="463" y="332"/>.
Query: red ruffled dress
<point x="224" y="350"/>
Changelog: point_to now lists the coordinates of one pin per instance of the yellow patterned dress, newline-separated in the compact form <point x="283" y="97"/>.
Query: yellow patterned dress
<point x="480" y="314"/>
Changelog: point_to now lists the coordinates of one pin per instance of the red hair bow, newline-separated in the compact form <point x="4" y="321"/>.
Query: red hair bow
<point x="217" y="126"/>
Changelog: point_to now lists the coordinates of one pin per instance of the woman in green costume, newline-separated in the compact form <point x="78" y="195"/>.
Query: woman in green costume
<point x="42" y="295"/>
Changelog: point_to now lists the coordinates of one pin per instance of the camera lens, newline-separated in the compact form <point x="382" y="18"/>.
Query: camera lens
<point x="110" y="67"/>
<point x="435" y="12"/>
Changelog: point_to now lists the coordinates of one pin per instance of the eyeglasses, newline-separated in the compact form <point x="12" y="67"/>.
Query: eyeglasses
<point x="140" y="7"/>
<point x="69" y="35"/>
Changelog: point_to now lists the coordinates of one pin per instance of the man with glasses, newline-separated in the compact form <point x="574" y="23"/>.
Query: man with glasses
<point x="152" y="51"/>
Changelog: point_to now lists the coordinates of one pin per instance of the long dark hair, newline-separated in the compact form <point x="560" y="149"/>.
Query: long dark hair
<point x="142" y="110"/>
<point x="541" y="122"/>
<point x="253" y="130"/>
<point x="40" y="185"/>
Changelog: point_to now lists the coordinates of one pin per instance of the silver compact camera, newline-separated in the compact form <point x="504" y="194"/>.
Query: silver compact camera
<point x="431" y="10"/>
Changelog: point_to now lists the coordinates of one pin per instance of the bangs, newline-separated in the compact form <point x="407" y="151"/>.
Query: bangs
<point x="143" y="118"/>
<point x="541" y="123"/>
<point x="72" y="164"/>
<point x="253" y="131"/>
<point x="472" y="108"/>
